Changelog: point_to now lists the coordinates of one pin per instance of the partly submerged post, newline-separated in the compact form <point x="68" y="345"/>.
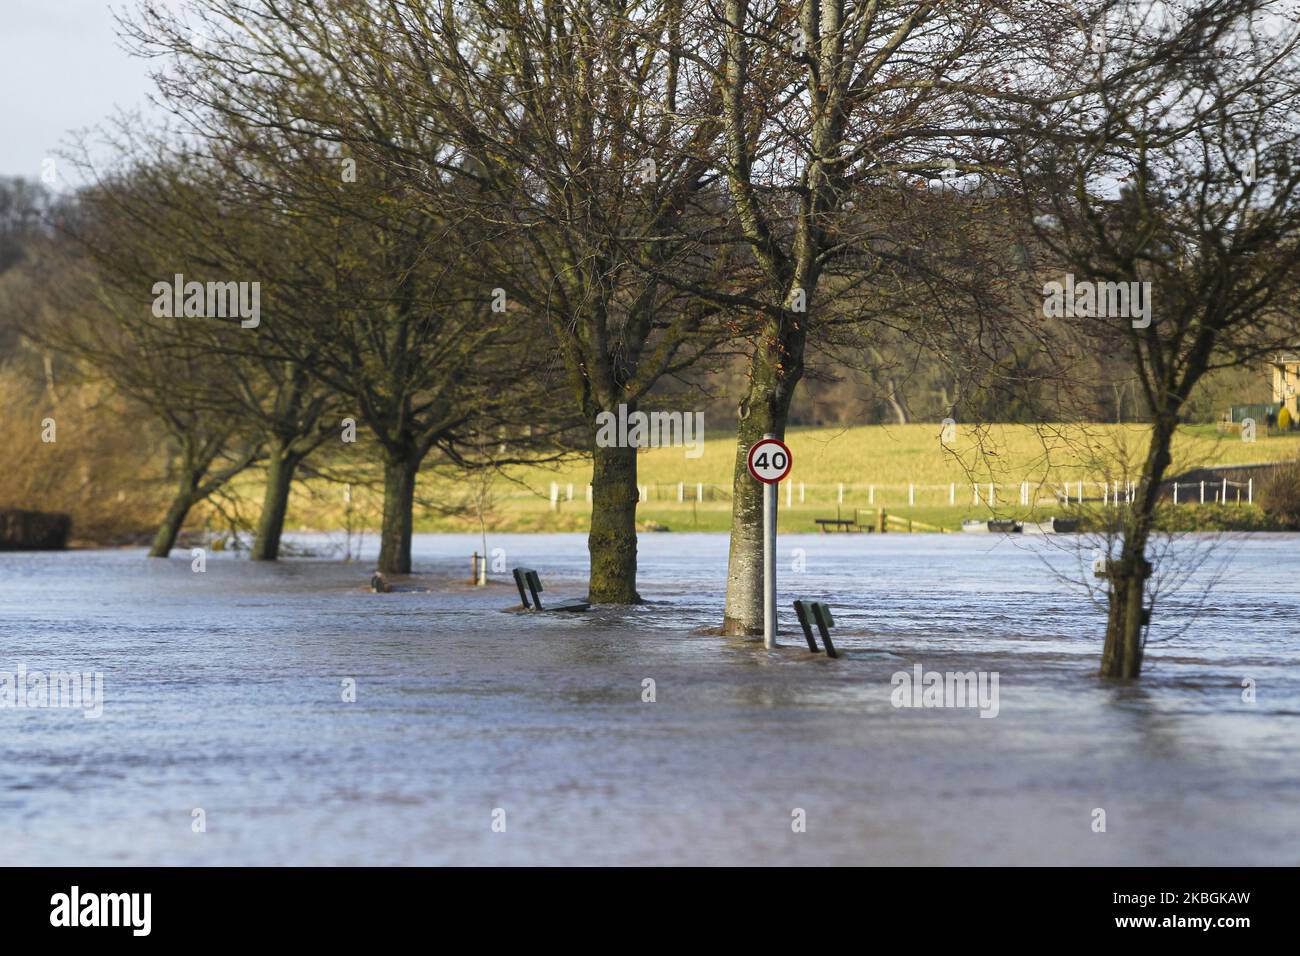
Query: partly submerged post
<point x="769" y="565"/>
<point x="769" y="462"/>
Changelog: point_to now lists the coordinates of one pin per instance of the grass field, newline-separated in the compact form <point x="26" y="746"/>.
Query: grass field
<point x="875" y="464"/>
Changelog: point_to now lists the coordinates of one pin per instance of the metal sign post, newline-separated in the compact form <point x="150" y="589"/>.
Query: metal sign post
<point x="769" y="566"/>
<point x="769" y="462"/>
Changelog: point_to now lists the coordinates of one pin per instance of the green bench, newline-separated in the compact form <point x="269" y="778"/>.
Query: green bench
<point x="529" y="583"/>
<point x="816" y="612"/>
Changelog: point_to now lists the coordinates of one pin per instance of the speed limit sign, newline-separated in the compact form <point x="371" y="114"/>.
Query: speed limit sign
<point x="769" y="460"/>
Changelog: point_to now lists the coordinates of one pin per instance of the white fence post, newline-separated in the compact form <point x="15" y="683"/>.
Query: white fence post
<point x="570" y="494"/>
<point x="699" y="491"/>
<point x="992" y="498"/>
<point x="1175" y="492"/>
<point x="555" y="496"/>
<point x="841" y="492"/>
<point x="952" y="493"/>
<point x="681" y="491"/>
<point x="975" y="493"/>
<point x="871" y="495"/>
<point x="1250" y="491"/>
<point x="911" y="495"/>
<point x="589" y="492"/>
<point x="1202" y="492"/>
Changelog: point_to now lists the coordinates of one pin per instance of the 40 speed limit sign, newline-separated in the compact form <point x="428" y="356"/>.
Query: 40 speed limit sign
<point x="769" y="460"/>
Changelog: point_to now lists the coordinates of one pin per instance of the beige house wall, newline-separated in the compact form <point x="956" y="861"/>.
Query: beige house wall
<point x="1286" y="383"/>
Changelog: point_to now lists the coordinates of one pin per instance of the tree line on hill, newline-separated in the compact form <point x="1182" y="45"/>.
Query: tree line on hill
<point x="471" y="229"/>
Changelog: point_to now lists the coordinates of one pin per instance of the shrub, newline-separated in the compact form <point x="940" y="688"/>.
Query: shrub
<point x="102" y="469"/>
<point x="1279" y="494"/>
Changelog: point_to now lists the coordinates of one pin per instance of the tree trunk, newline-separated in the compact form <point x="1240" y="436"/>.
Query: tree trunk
<point x="280" y="468"/>
<point x="399" y="501"/>
<point x="1122" y="654"/>
<point x="765" y="410"/>
<point x="170" y="529"/>
<point x="612" y="541"/>
<point x="900" y="410"/>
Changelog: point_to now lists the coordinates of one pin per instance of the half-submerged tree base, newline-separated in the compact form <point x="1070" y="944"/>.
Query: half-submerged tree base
<point x="400" y="471"/>
<point x="764" y="411"/>
<point x="280" y="470"/>
<point x="1122" y="654"/>
<point x="743" y="616"/>
<point x="612" y="541"/>
<point x="169" y="528"/>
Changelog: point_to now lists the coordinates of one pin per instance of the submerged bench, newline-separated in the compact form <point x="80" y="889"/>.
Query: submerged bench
<point x="528" y="582"/>
<point x="816" y="612"/>
<point x="842" y="524"/>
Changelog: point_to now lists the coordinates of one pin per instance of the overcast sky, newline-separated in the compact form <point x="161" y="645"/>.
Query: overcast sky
<point x="62" y="68"/>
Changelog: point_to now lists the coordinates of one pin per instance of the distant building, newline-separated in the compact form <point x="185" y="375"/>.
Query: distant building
<point x="1285" y="369"/>
<point x="1286" y="379"/>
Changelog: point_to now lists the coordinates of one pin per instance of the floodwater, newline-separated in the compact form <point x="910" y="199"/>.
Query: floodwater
<point x="224" y="693"/>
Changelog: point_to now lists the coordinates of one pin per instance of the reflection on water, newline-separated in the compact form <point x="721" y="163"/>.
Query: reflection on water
<point x="223" y="692"/>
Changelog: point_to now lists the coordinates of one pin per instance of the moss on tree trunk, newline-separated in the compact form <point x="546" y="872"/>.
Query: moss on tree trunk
<point x="612" y="541"/>
<point x="170" y="528"/>
<point x="280" y="469"/>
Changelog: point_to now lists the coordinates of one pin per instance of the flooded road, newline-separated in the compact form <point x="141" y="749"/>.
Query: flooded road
<point x="224" y="704"/>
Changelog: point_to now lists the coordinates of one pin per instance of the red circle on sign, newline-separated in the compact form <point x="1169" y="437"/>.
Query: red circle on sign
<point x="769" y="460"/>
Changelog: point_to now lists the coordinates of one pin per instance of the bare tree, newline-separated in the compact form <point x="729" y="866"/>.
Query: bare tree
<point x="1169" y="196"/>
<point x="170" y="214"/>
<point x="104" y="322"/>
<point x="562" y="126"/>
<point x="378" y="291"/>
<point x="826" y="108"/>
